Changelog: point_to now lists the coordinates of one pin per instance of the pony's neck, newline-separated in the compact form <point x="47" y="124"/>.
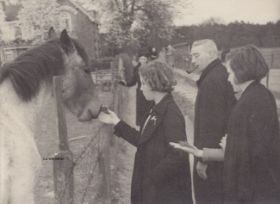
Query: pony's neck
<point x="16" y="113"/>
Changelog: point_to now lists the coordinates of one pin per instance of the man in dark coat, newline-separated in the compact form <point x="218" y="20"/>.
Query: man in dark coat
<point x="214" y="102"/>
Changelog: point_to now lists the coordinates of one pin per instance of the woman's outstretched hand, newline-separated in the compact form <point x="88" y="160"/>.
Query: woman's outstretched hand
<point x="108" y="117"/>
<point x="186" y="147"/>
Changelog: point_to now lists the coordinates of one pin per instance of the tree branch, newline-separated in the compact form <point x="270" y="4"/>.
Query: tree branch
<point x="132" y="7"/>
<point x="118" y="5"/>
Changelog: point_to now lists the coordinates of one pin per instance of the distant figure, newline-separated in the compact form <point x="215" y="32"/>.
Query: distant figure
<point x="142" y="105"/>
<point x="153" y="54"/>
<point x="162" y="55"/>
<point x="170" y="55"/>
<point x="224" y="54"/>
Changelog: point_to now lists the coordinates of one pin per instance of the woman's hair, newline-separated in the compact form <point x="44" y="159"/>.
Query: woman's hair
<point x="159" y="76"/>
<point x="247" y="63"/>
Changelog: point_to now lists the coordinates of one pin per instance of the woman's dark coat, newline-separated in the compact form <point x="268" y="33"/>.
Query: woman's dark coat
<point x="252" y="157"/>
<point x="161" y="174"/>
<point x="214" y="102"/>
<point x="143" y="106"/>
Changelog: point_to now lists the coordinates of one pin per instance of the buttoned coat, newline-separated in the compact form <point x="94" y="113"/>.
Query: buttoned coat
<point x="161" y="175"/>
<point x="214" y="102"/>
<point x="252" y="156"/>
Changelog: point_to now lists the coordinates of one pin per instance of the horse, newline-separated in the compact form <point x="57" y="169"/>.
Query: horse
<point x="25" y="86"/>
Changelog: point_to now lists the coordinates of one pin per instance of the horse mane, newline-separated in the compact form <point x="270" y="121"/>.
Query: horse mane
<point x="36" y="65"/>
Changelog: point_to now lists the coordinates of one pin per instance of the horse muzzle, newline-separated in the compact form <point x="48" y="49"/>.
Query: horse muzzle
<point x="90" y="112"/>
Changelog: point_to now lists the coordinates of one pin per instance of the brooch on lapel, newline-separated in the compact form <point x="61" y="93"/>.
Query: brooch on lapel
<point x="154" y="119"/>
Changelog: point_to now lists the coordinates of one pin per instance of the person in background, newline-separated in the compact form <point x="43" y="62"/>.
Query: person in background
<point x="153" y="54"/>
<point x="143" y="106"/>
<point x="224" y="54"/>
<point x="170" y="55"/>
<point x="251" y="151"/>
<point x="214" y="102"/>
<point x="161" y="175"/>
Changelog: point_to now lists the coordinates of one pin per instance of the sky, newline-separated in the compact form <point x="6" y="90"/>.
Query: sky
<point x="253" y="11"/>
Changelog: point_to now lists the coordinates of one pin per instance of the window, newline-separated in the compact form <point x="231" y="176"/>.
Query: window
<point x="65" y="21"/>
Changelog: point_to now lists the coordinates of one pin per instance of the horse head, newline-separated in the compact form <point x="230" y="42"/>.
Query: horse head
<point x="78" y="90"/>
<point x="25" y="84"/>
<point x="60" y="55"/>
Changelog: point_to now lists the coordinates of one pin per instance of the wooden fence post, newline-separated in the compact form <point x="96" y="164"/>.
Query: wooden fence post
<point x="104" y="164"/>
<point x="63" y="161"/>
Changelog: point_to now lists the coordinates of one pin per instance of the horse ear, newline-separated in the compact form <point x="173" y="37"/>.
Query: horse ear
<point x="51" y="33"/>
<point x="66" y="42"/>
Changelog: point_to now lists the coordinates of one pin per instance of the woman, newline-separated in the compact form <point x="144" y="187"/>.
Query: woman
<point x="161" y="175"/>
<point x="143" y="106"/>
<point x="252" y="151"/>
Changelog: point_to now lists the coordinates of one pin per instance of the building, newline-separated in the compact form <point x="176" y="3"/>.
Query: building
<point x="80" y="24"/>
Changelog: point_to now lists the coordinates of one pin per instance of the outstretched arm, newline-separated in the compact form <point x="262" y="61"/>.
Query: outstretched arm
<point x="206" y="154"/>
<point x="121" y="128"/>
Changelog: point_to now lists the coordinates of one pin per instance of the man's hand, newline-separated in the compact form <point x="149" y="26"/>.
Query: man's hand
<point x="201" y="169"/>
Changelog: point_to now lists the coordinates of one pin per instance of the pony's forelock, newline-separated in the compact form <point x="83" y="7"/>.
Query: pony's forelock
<point x="37" y="65"/>
<point x="31" y="68"/>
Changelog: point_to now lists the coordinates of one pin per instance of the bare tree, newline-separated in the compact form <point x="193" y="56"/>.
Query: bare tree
<point x="147" y="21"/>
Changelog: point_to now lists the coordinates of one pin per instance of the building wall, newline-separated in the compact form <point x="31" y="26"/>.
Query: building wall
<point x="8" y="31"/>
<point x="82" y="27"/>
<point x="84" y="30"/>
<point x="87" y="33"/>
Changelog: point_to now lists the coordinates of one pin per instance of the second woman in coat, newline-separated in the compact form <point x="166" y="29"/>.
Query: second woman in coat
<point x="161" y="175"/>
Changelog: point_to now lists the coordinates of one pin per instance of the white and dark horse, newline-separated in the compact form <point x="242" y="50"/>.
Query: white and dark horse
<point x="25" y="86"/>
